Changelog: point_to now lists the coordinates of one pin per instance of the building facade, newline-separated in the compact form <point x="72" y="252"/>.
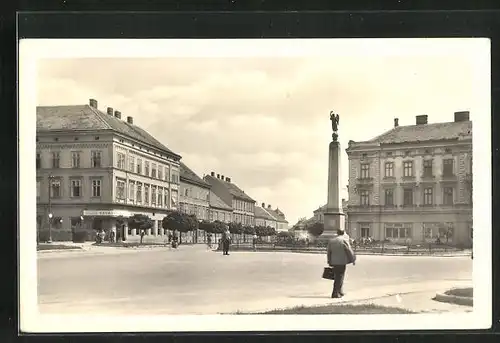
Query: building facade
<point x="243" y="206"/>
<point x="219" y="210"/>
<point x="413" y="183"/>
<point x="265" y="217"/>
<point x="194" y="194"/>
<point x="93" y="168"/>
<point x="319" y="214"/>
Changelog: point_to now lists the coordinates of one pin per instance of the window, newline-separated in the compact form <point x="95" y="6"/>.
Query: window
<point x="365" y="171"/>
<point x="38" y="188"/>
<point x="76" y="188"/>
<point x="431" y="230"/>
<point x="364" y="195"/>
<point x="389" y="169"/>
<point x="160" y="197"/>
<point x="55" y="160"/>
<point x="428" y="196"/>
<point x="186" y="192"/>
<point x="365" y="232"/>
<point x="146" y="194"/>
<point x="165" y="197"/>
<point x="389" y="197"/>
<point x="38" y="161"/>
<point x="448" y="167"/>
<point x="167" y="173"/>
<point x="96" y="188"/>
<point x="131" y="163"/>
<point x="408" y="169"/>
<point x="138" y="193"/>
<point x="96" y="159"/>
<point x="120" y="160"/>
<point x="131" y="191"/>
<point x="139" y="166"/>
<point x="428" y="168"/>
<point x="408" y="197"/>
<point x="57" y="223"/>
<point x="446" y="231"/>
<point x="153" y="170"/>
<point x="146" y="168"/>
<point x="75" y="159"/>
<point x="398" y="230"/>
<point x="175" y="177"/>
<point x="174" y="197"/>
<point x="120" y="189"/>
<point x="160" y="172"/>
<point x="448" y="196"/>
<point x="153" y="195"/>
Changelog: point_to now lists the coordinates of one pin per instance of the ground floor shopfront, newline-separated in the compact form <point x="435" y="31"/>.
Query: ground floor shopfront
<point x="452" y="227"/>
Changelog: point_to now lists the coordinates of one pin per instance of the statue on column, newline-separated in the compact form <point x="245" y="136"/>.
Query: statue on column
<point x="335" y="125"/>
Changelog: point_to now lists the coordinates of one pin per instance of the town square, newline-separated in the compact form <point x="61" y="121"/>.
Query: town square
<point x="305" y="184"/>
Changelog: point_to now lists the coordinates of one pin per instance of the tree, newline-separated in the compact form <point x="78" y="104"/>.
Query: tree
<point x="182" y="222"/>
<point x="316" y="229"/>
<point x="140" y="222"/>
<point x="236" y="229"/>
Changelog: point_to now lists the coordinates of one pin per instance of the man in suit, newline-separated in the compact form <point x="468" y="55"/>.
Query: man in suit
<point x="339" y="254"/>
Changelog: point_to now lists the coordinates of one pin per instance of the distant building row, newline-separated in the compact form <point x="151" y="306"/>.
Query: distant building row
<point x="93" y="168"/>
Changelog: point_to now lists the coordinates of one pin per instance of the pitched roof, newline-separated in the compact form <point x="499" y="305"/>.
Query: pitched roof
<point x="264" y="213"/>
<point x="217" y="202"/>
<point x="279" y="215"/>
<point x="87" y="118"/>
<point x="425" y="132"/>
<point x="231" y="187"/>
<point x="188" y="175"/>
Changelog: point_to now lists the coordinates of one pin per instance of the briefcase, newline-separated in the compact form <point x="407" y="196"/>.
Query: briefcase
<point x="328" y="273"/>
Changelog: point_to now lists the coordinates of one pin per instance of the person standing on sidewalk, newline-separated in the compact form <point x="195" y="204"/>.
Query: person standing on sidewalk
<point x="226" y="240"/>
<point x="339" y="254"/>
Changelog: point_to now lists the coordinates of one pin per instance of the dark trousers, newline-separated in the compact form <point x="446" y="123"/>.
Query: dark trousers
<point x="225" y="247"/>
<point x="338" y="283"/>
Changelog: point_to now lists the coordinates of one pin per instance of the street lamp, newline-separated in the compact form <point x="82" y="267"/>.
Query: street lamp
<point x="51" y="177"/>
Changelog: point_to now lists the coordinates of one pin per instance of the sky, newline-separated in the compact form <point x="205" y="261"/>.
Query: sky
<point x="263" y="120"/>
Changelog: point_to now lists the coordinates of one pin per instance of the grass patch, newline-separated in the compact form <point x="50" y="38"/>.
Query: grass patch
<point x="460" y="292"/>
<point x="339" y="309"/>
<point x="42" y="247"/>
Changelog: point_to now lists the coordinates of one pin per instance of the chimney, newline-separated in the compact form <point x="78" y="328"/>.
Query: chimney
<point x="263" y="205"/>
<point x="93" y="103"/>
<point x="228" y="179"/>
<point x="222" y="177"/>
<point x="422" y="119"/>
<point x="110" y="111"/>
<point x="462" y="116"/>
<point x="130" y="120"/>
<point x="218" y="176"/>
<point x="268" y="207"/>
<point x="118" y="114"/>
<point x="212" y="174"/>
<point x="396" y="122"/>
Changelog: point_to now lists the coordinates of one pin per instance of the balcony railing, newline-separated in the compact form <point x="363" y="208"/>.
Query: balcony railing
<point x="389" y="179"/>
<point x="364" y="180"/>
<point x="448" y="177"/>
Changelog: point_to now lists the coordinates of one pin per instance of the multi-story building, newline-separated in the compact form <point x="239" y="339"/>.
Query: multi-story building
<point x="219" y="210"/>
<point x="194" y="194"/>
<point x="243" y="206"/>
<point x="93" y="167"/>
<point x="281" y="222"/>
<point x="319" y="213"/>
<point x="413" y="183"/>
<point x="265" y="217"/>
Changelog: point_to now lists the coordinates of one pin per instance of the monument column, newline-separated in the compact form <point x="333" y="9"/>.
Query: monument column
<point x="334" y="216"/>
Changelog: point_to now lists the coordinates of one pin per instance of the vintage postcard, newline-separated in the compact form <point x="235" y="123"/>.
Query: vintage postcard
<point x="246" y="185"/>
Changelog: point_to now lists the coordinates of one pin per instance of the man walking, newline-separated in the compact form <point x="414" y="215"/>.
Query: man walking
<point x="339" y="254"/>
<point x="226" y="239"/>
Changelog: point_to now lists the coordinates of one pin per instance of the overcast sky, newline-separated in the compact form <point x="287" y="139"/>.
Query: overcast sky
<point x="264" y="121"/>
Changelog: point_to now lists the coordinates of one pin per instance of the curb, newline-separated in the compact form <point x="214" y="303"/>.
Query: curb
<point x="365" y="253"/>
<point x="454" y="299"/>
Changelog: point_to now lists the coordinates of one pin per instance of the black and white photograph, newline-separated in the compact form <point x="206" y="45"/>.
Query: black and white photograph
<point x="251" y="185"/>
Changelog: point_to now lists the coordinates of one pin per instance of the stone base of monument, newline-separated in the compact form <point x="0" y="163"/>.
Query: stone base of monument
<point x="333" y="222"/>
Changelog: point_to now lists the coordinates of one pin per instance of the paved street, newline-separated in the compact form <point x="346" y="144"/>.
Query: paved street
<point x="194" y="280"/>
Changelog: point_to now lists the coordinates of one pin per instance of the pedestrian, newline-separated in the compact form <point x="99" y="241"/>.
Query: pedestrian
<point x="226" y="241"/>
<point x="209" y="241"/>
<point x="112" y="236"/>
<point x="254" y="242"/>
<point x="142" y="235"/>
<point x="339" y="254"/>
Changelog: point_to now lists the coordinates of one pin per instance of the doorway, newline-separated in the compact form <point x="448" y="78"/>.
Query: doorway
<point x="365" y="232"/>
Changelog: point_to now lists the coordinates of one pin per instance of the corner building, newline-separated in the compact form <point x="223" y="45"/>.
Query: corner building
<point x="413" y="183"/>
<point x="99" y="167"/>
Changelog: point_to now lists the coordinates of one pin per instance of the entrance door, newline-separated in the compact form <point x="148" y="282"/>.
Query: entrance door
<point x="365" y="232"/>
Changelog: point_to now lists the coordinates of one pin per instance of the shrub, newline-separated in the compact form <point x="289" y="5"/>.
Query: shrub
<point x="57" y="235"/>
<point x="80" y="236"/>
<point x="316" y="229"/>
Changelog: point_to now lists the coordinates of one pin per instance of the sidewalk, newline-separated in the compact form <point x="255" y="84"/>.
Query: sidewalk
<point x="415" y="297"/>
